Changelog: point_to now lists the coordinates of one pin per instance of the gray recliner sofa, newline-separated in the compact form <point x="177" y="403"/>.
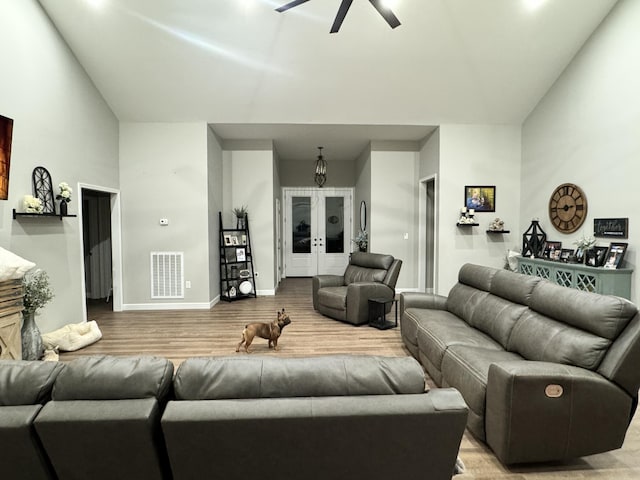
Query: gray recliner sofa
<point x="103" y="421"/>
<point x="337" y="417"/>
<point x="548" y="372"/>
<point x="346" y="297"/>
<point x="24" y="387"/>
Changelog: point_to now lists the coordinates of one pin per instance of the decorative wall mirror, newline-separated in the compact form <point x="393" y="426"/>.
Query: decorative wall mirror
<point x="363" y="216"/>
<point x="43" y="189"/>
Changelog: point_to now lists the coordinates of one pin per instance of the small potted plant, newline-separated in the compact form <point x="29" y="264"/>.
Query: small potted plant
<point x="37" y="293"/>
<point x="241" y="215"/>
<point x="584" y="244"/>
<point x="32" y="204"/>
<point x="64" y="196"/>
<point x="362" y="240"/>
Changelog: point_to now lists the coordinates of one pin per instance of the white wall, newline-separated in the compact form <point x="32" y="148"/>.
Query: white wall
<point x="251" y="177"/>
<point x="476" y="155"/>
<point x="586" y="131"/>
<point x="215" y="202"/>
<point x="163" y="169"/>
<point x="393" y="205"/>
<point x="61" y="123"/>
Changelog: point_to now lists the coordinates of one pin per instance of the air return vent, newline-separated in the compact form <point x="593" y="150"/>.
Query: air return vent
<point x="167" y="274"/>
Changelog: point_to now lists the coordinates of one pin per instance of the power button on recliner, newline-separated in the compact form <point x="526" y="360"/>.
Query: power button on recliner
<point x="553" y="391"/>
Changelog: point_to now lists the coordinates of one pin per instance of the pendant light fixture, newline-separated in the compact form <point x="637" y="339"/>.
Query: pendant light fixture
<point x="320" y="175"/>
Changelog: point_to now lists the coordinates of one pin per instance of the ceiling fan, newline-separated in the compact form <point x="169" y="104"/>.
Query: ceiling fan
<point x="386" y="13"/>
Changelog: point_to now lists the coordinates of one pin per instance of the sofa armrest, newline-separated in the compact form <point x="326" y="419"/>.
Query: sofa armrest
<point x="422" y="300"/>
<point x="358" y="295"/>
<point x="321" y="281"/>
<point x="539" y="411"/>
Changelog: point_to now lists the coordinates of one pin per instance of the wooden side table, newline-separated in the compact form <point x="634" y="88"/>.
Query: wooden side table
<point x="11" y="292"/>
<point x="377" y="315"/>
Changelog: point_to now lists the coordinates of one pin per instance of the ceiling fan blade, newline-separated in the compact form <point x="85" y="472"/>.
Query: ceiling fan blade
<point x="342" y="12"/>
<point x="289" y="5"/>
<point x="386" y="13"/>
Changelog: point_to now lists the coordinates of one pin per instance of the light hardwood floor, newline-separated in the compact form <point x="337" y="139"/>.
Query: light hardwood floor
<point x="178" y="335"/>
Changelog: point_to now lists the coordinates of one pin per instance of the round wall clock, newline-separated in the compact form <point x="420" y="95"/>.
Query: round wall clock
<point x="567" y="208"/>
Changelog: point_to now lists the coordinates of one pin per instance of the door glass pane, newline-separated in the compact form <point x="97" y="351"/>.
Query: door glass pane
<point x="334" y="224"/>
<point x="301" y="224"/>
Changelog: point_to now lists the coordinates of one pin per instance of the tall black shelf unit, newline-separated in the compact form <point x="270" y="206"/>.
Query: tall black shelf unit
<point x="237" y="276"/>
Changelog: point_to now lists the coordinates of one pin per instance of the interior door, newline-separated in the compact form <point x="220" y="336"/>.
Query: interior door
<point x="318" y="231"/>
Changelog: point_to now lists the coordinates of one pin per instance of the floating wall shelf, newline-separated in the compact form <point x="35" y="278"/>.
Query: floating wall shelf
<point x="17" y="215"/>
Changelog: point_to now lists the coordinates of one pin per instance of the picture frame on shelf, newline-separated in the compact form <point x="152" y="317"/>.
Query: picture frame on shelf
<point x="601" y="255"/>
<point x="566" y="254"/>
<point x="227" y="240"/>
<point x="615" y="255"/>
<point x="241" y="255"/>
<point x="552" y="250"/>
<point x="480" y="198"/>
<point x="243" y="239"/>
<point x="234" y="240"/>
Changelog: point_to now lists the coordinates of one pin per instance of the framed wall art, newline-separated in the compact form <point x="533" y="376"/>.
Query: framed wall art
<point x="611" y="227"/>
<point x="481" y="198"/>
<point x="6" y="133"/>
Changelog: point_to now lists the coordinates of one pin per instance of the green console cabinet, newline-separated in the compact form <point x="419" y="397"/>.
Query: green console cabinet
<point x="606" y="281"/>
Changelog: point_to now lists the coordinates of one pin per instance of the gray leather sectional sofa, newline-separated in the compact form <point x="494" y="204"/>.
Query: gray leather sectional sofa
<point x="339" y="417"/>
<point x="548" y="372"/>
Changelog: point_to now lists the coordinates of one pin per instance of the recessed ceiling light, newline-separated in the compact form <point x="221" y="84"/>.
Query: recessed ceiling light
<point x="390" y="4"/>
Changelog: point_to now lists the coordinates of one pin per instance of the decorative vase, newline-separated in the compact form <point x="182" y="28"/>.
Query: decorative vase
<point x="241" y="224"/>
<point x="362" y="248"/>
<point x="63" y="207"/>
<point x="32" y="347"/>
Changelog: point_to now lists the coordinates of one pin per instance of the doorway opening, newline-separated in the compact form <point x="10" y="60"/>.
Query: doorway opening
<point x="100" y="250"/>
<point x="428" y="238"/>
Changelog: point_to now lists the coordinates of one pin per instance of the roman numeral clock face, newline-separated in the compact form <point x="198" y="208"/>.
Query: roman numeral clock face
<point x="567" y="208"/>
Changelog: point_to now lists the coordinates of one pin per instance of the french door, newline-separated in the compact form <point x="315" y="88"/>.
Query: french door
<point x="317" y="231"/>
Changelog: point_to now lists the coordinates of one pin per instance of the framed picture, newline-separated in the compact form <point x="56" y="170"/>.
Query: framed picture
<point x="611" y="227"/>
<point x="552" y="250"/>
<point x="234" y="241"/>
<point x="566" y="254"/>
<point x="227" y="240"/>
<point x="241" y="255"/>
<point x="244" y="239"/>
<point x="480" y="198"/>
<point x="615" y="255"/>
<point x="6" y="133"/>
<point x="601" y="255"/>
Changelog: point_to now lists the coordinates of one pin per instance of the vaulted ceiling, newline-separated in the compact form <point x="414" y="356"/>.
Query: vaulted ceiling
<point x="259" y="74"/>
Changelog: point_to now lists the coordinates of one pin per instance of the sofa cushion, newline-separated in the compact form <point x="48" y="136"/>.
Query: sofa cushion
<point x="114" y="378"/>
<point x="376" y="261"/>
<point x="466" y="368"/>
<point x="438" y="330"/>
<point x="266" y="377"/>
<point x="538" y="337"/>
<point x="356" y="274"/>
<point x="27" y="383"/>
<point x="516" y="287"/>
<point x="476" y="276"/>
<point x="463" y="300"/>
<point x="496" y="317"/>
<point x="333" y="297"/>
<point x="602" y="315"/>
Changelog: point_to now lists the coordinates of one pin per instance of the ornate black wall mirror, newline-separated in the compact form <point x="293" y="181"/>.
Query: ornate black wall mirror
<point x="363" y="216"/>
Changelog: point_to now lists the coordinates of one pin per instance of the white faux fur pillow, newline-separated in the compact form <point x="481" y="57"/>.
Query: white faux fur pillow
<point x="12" y="266"/>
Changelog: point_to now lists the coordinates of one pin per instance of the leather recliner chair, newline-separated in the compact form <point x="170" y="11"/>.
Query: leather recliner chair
<point x="346" y="297"/>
